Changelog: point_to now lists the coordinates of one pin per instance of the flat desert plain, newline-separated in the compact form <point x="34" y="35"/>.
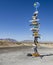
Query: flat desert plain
<point x="18" y="56"/>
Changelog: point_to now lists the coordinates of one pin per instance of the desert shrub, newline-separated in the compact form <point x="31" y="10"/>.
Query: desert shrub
<point x="18" y="43"/>
<point x="1" y="42"/>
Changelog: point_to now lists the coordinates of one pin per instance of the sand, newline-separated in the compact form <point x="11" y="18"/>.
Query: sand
<point x="18" y="56"/>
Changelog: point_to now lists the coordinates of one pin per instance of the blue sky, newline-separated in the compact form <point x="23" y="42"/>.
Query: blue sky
<point x="15" y="16"/>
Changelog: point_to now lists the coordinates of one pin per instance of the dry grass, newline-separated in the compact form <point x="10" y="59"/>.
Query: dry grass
<point x="14" y="44"/>
<point x="9" y="44"/>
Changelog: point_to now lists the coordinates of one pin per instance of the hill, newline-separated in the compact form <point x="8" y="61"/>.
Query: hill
<point x="8" y="39"/>
<point x="9" y="42"/>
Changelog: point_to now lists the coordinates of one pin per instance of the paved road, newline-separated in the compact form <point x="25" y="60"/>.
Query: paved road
<point x="18" y="56"/>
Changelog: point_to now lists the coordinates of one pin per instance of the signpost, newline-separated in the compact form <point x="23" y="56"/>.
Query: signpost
<point x="35" y="28"/>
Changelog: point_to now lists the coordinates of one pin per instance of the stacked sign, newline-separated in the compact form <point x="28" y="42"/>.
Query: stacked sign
<point x="35" y="24"/>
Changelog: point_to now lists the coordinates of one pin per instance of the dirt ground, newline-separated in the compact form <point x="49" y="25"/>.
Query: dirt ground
<point x="18" y="56"/>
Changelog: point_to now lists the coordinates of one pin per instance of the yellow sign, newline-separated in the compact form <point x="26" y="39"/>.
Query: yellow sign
<point x="34" y="23"/>
<point x="35" y="35"/>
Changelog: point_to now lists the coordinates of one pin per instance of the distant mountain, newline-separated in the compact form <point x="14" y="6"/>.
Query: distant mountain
<point x="9" y="39"/>
<point x="27" y="41"/>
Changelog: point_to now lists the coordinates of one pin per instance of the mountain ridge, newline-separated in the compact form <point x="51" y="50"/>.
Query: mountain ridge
<point x="8" y="39"/>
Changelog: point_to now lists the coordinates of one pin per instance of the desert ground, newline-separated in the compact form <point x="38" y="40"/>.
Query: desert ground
<point x="18" y="56"/>
<point x="15" y="53"/>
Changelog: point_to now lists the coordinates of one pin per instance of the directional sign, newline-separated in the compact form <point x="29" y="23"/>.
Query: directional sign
<point x="35" y="23"/>
<point x="36" y="26"/>
<point x="35" y="32"/>
<point x="35" y="35"/>
<point x="34" y="29"/>
<point x="34" y="20"/>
